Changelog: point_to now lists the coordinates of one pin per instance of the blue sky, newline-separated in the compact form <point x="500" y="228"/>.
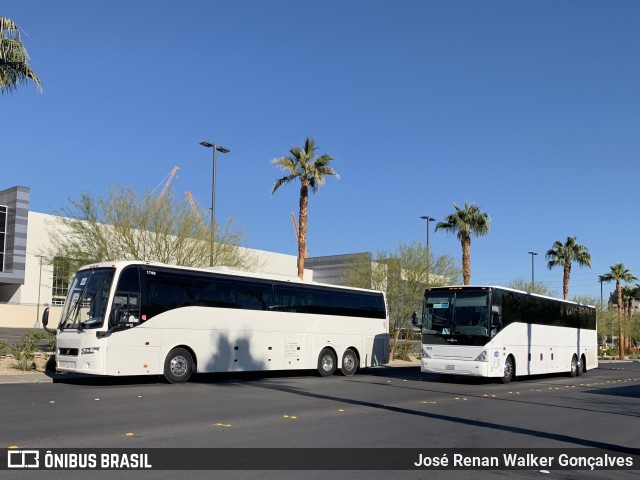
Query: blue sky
<point x="529" y="109"/>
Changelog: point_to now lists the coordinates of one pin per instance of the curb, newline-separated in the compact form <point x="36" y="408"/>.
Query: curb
<point x="27" y="378"/>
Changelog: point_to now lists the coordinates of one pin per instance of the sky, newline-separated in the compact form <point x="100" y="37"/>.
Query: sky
<point x="529" y="109"/>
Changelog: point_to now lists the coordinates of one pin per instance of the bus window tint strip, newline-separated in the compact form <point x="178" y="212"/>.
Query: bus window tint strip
<point x="167" y="290"/>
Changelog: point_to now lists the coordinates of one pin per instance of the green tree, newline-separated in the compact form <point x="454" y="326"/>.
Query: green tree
<point x="541" y="288"/>
<point x="311" y="170"/>
<point x="564" y="255"/>
<point x="14" y="60"/>
<point x="402" y="275"/>
<point x="588" y="300"/>
<point x="629" y="294"/>
<point x="466" y="222"/>
<point x="619" y="273"/>
<point x="127" y="227"/>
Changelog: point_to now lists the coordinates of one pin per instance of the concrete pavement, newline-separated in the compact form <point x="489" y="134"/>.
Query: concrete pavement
<point x="49" y="377"/>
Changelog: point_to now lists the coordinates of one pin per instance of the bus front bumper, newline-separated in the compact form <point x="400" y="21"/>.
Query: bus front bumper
<point x="88" y="364"/>
<point x="469" y="368"/>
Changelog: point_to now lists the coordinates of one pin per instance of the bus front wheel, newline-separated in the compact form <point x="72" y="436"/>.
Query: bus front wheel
<point x="508" y="370"/>
<point x="178" y="366"/>
<point x="327" y="362"/>
<point x="349" y="363"/>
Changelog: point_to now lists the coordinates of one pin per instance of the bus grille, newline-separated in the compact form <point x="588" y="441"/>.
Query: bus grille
<point x="71" y="352"/>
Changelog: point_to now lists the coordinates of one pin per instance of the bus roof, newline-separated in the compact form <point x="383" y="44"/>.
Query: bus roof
<point x="494" y="287"/>
<point x="226" y="271"/>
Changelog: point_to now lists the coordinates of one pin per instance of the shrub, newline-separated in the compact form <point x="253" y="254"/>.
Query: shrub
<point x="25" y="349"/>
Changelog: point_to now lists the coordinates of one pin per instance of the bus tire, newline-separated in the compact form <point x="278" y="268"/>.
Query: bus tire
<point x="178" y="366"/>
<point x="582" y="366"/>
<point x="574" y="366"/>
<point x="327" y="362"/>
<point x="349" y="363"/>
<point x="508" y="370"/>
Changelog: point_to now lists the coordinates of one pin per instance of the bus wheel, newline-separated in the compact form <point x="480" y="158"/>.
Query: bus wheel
<point x="508" y="370"/>
<point x="349" y="363"/>
<point x="581" y="366"/>
<point x="327" y="362"/>
<point x="178" y="366"/>
<point x="574" y="366"/>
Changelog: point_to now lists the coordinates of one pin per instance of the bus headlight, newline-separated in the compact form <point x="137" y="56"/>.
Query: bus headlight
<point x="88" y="350"/>
<point x="482" y="357"/>
<point x="424" y="354"/>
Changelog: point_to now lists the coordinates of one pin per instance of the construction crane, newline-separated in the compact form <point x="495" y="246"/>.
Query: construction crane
<point x="196" y="210"/>
<point x="295" y="230"/>
<point x="168" y="181"/>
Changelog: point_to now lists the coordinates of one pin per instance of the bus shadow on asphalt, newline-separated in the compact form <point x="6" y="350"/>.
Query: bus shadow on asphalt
<point x="97" y="380"/>
<point x="631" y="391"/>
<point x="408" y="373"/>
<point x="198" y="378"/>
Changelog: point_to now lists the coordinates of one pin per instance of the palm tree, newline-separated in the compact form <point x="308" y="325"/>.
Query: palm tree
<point x="303" y="164"/>
<point x="14" y="60"/>
<point x="565" y="254"/>
<point x="628" y="293"/>
<point x="619" y="273"/>
<point x="464" y="223"/>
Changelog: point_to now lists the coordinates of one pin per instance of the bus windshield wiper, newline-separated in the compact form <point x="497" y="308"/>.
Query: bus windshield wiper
<point x="93" y="300"/>
<point x="76" y="306"/>
<point x="65" y="323"/>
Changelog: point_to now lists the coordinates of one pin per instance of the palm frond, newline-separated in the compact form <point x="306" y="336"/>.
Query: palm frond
<point x="14" y="59"/>
<point x="281" y="181"/>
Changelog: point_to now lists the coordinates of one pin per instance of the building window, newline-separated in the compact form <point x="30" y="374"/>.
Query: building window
<point x="63" y="270"/>
<point x="3" y="235"/>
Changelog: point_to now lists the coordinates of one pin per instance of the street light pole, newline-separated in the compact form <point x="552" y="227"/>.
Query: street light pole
<point x="428" y="219"/>
<point x="533" y="254"/>
<point x="216" y="148"/>
<point x="37" y="324"/>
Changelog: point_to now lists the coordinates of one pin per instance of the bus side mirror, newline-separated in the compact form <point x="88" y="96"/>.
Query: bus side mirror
<point x="496" y="320"/>
<point x="45" y="321"/>
<point x="414" y="320"/>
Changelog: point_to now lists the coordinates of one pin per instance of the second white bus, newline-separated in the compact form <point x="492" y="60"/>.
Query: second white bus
<point x="140" y="318"/>
<point x="503" y="333"/>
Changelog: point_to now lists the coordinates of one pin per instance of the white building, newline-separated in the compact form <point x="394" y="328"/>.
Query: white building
<point x="28" y="282"/>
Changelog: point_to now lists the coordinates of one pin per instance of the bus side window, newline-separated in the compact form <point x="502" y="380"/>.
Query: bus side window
<point x="126" y="301"/>
<point x="125" y="310"/>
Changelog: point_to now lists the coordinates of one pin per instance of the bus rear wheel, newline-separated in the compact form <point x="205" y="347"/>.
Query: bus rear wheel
<point x="582" y="366"/>
<point x="178" y="366"/>
<point x="349" y="363"/>
<point x="508" y="370"/>
<point x="327" y="362"/>
<point x="574" y="366"/>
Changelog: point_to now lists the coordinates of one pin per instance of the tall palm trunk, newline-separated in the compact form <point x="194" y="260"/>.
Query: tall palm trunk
<point x="302" y="225"/>
<point x="620" y="335"/>
<point x="466" y="259"/>
<point x="565" y="279"/>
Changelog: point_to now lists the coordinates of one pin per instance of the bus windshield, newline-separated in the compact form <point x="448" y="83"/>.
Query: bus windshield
<point x="453" y="312"/>
<point x="87" y="299"/>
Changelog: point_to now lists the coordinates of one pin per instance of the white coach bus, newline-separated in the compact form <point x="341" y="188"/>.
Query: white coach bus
<point x="499" y="332"/>
<point x="139" y="318"/>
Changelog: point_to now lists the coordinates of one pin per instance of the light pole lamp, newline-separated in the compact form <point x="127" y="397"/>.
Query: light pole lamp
<point x="221" y="149"/>
<point x="428" y="219"/>
<point x="533" y="254"/>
